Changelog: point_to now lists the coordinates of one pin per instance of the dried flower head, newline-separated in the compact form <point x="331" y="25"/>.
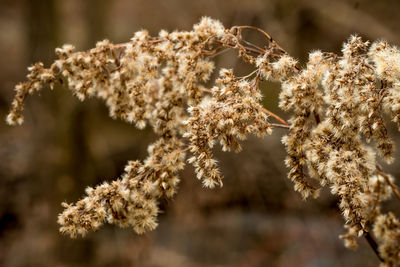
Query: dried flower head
<point x="336" y="102"/>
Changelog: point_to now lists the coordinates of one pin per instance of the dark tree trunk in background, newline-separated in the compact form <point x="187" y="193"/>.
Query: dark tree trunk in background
<point x="42" y="29"/>
<point x="96" y="19"/>
<point x="81" y="162"/>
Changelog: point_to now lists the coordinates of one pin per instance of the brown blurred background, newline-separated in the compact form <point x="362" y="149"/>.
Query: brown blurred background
<point x="256" y="219"/>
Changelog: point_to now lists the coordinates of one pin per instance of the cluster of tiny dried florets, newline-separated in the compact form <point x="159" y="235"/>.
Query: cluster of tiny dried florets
<point x="132" y="199"/>
<point x="301" y="94"/>
<point x="231" y="113"/>
<point x="387" y="229"/>
<point x="336" y="107"/>
<point x="336" y="102"/>
<point x="158" y="81"/>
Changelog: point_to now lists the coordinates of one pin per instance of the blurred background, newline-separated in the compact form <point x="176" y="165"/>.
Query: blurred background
<point x="256" y="219"/>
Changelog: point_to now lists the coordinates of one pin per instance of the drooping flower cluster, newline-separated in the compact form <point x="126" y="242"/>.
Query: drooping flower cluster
<point x="301" y="94"/>
<point x="386" y="59"/>
<point x="336" y="107"/>
<point x="152" y="80"/>
<point x="231" y="113"/>
<point x="132" y="199"/>
<point x="336" y="102"/>
<point x="148" y="79"/>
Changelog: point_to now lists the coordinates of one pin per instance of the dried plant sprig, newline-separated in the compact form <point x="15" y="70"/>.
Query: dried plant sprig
<point x="301" y="94"/>
<point x="336" y="104"/>
<point x="152" y="80"/>
<point x="232" y="113"/>
<point x="132" y="199"/>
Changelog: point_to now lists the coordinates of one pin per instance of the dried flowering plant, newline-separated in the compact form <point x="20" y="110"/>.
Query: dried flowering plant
<point x="337" y="105"/>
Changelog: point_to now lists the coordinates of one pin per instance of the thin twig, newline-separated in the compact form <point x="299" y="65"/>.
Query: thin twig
<point x="185" y="150"/>
<point x="219" y="52"/>
<point x="263" y="51"/>
<point x="206" y="90"/>
<point x="238" y="45"/>
<point x="270" y="39"/>
<point x="248" y="75"/>
<point x="277" y="125"/>
<point x="372" y="243"/>
<point x="275" y="117"/>
<point x="395" y="190"/>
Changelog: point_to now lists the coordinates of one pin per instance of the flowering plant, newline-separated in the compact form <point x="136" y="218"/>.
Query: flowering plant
<point x="336" y="102"/>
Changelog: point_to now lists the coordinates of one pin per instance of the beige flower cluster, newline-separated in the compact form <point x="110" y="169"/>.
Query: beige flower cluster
<point x="132" y="199"/>
<point x="337" y="103"/>
<point x="231" y="113"/>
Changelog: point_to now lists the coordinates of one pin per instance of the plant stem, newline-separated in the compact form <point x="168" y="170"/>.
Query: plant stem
<point x="372" y="243"/>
